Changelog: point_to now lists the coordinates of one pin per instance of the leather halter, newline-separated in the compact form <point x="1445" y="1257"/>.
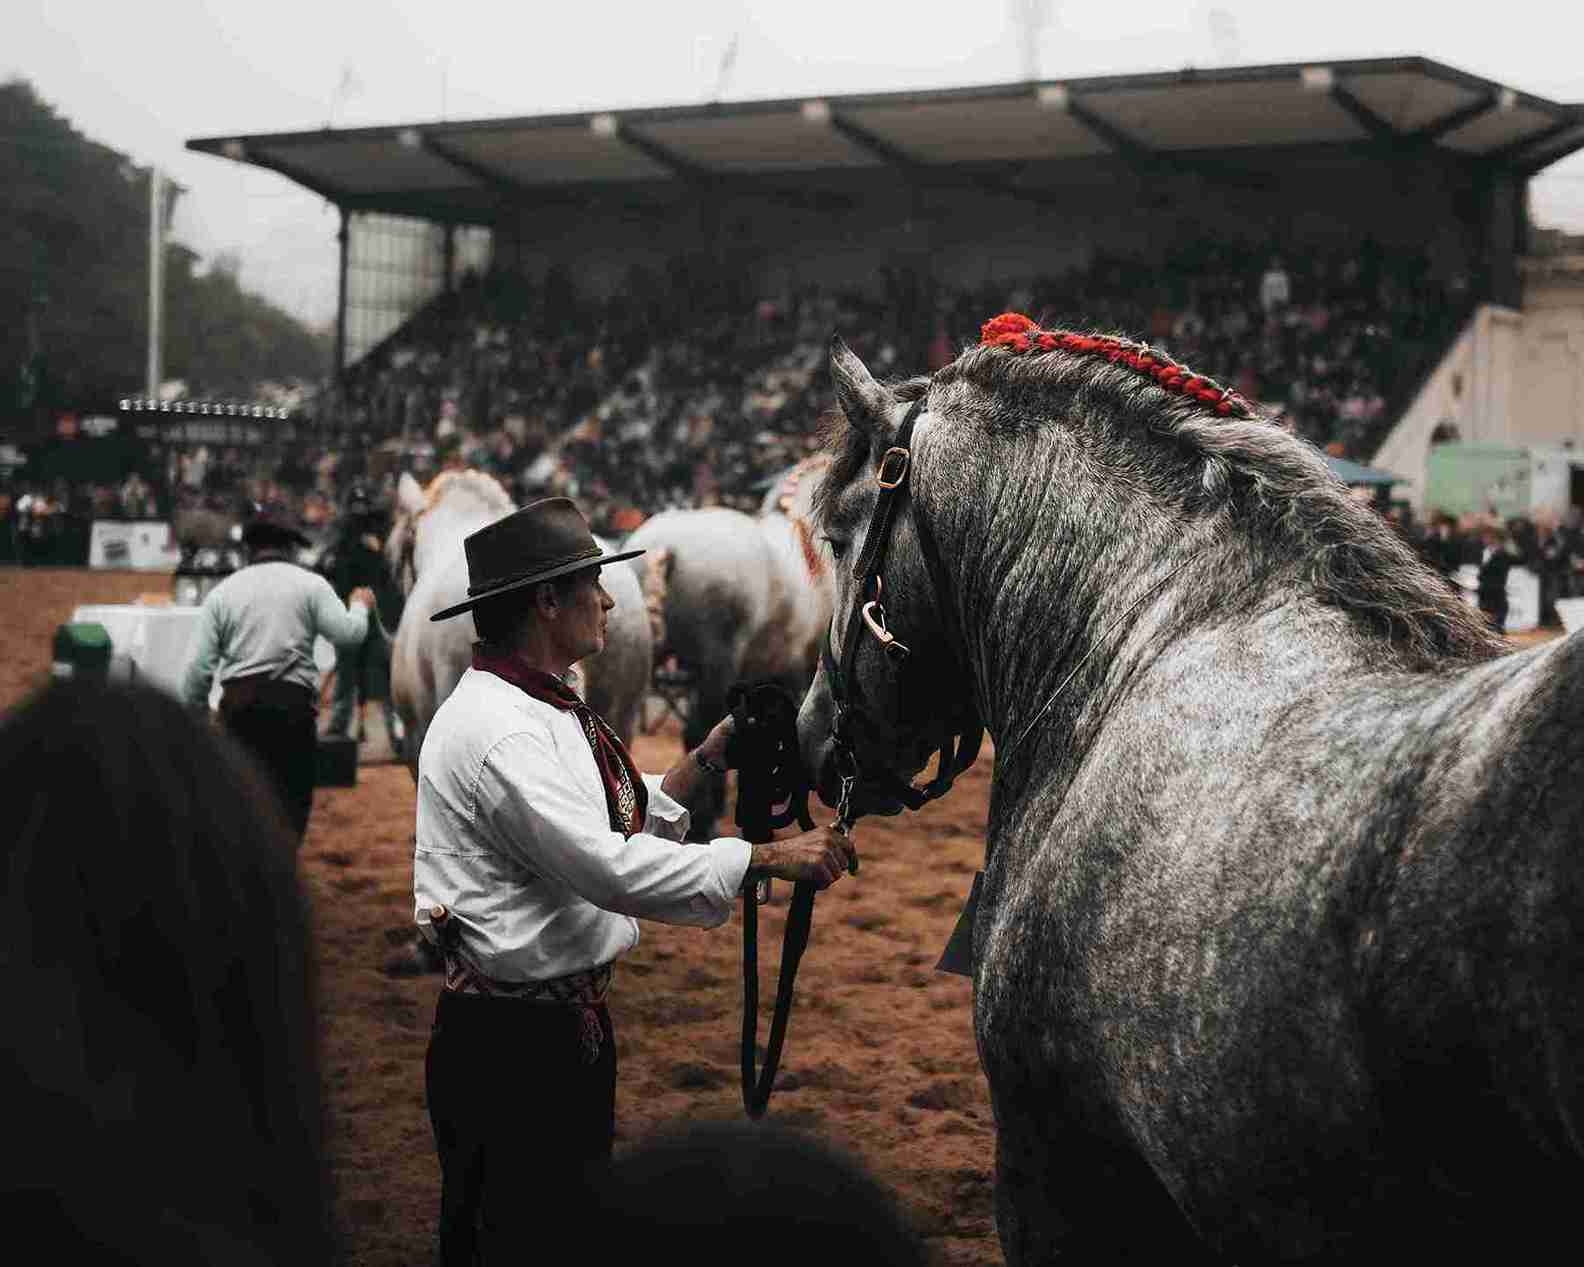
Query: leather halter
<point x="959" y="746"/>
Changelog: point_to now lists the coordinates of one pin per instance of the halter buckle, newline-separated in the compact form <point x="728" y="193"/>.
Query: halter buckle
<point x="883" y="477"/>
<point x="897" y="651"/>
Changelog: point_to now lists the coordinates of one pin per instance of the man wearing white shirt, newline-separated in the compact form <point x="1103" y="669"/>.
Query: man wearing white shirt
<point x="538" y="846"/>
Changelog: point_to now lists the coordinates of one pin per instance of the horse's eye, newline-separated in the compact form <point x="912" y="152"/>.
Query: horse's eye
<point x="838" y="548"/>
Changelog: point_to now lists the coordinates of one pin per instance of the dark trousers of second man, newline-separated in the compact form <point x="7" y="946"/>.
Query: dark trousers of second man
<point x="276" y="722"/>
<point x="522" y="1121"/>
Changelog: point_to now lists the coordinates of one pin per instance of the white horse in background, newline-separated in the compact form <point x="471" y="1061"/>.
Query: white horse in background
<point x="425" y="553"/>
<point x="737" y="597"/>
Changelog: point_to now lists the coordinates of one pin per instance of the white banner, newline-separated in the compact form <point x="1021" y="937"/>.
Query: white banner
<point x="138" y="546"/>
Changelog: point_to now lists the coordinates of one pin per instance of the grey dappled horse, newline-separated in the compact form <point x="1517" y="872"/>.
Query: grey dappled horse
<point x="426" y="556"/>
<point x="742" y="598"/>
<point x="1278" y="954"/>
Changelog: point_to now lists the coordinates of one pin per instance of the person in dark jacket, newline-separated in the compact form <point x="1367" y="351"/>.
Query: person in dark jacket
<point x="1498" y="556"/>
<point x="362" y="672"/>
<point x="1442" y="548"/>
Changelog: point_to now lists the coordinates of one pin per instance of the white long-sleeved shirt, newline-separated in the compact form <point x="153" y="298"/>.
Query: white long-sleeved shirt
<point x="264" y="619"/>
<point x="514" y="839"/>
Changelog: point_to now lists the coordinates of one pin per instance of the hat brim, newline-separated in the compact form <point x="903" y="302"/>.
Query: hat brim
<point x="266" y="535"/>
<point x="538" y="578"/>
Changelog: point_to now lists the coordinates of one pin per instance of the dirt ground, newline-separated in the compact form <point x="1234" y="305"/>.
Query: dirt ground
<point x="879" y="1055"/>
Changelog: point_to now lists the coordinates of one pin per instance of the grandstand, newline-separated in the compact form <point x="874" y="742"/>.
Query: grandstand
<point x="630" y="305"/>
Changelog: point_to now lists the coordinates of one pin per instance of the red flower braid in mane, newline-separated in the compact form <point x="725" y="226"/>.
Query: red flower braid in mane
<point x="1015" y="331"/>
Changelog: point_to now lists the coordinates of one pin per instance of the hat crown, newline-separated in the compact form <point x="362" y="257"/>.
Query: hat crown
<point x="541" y="539"/>
<point x="540" y="542"/>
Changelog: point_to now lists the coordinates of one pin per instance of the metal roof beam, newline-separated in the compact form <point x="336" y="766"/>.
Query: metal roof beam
<point x="665" y="157"/>
<point x="1113" y="137"/>
<point x="862" y="138"/>
<point x="1448" y="123"/>
<point x="1366" y="118"/>
<point x="929" y="173"/>
<point x="1522" y="153"/>
<point x="1532" y="164"/>
<point x="292" y="172"/>
<point x="485" y="175"/>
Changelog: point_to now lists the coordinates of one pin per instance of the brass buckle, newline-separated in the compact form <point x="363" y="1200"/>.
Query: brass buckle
<point x="897" y="651"/>
<point x="902" y="469"/>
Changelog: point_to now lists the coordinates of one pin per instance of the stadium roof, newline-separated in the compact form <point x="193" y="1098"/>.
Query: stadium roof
<point x="465" y="171"/>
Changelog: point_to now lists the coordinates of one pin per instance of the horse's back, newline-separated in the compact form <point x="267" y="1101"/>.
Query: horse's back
<point x="718" y="587"/>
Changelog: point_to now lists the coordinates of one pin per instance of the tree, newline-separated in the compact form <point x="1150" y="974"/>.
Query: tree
<point x="74" y="259"/>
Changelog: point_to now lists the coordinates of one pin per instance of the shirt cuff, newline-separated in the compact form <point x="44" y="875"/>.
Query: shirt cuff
<point x="731" y="857"/>
<point x="665" y="817"/>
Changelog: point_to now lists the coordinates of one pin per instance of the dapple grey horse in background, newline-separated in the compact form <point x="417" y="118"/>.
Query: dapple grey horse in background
<point x="741" y="598"/>
<point x="428" y="658"/>
<point x="1279" y="949"/>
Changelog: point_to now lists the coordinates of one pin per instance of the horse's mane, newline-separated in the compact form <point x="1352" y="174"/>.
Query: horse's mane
<point x="1276" y="486"/>
<point x="479" y="485"/>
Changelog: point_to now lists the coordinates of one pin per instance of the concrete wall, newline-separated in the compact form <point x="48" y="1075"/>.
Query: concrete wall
<point x="1512" y="378"/>
<point x="1548" y="400"/>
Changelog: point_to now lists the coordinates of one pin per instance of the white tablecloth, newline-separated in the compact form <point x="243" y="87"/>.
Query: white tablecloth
<point x="152" y="643"/>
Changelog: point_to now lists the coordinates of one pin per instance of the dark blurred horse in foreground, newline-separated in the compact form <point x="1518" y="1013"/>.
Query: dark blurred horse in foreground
<point x="1279" y="943"/>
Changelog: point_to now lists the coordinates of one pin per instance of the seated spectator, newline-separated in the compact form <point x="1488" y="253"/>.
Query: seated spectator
<point x="160" y="1080"/>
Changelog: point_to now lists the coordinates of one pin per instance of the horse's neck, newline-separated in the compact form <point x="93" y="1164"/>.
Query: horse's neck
<point x="1051" y="613"/>
<point x="441" y="530"/>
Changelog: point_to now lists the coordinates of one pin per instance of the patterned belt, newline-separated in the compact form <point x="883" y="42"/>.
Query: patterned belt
<point x="582" y="991"/>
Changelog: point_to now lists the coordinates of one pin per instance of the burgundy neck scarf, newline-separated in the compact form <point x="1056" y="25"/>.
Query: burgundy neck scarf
<point x="626" y="797"/>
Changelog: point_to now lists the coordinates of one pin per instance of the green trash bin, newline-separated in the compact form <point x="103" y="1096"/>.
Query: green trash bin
<point x="82" y="649"/>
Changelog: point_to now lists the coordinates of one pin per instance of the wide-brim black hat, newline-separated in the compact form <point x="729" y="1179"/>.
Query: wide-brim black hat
<point x="268" y="527"/>
<point x="540" y="542"/>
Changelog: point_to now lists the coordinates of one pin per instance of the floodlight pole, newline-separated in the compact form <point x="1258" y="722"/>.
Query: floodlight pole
<point x="156" y="295"/>
<point x="341" y="310"/>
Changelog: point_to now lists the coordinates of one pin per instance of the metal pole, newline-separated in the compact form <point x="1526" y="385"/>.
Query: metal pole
<point x="156" y="295"/>
<point x="341" y="310"/>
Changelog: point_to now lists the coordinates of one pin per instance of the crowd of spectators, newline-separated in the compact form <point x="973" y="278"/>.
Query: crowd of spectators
<point x="676" y="392"/>
<point x="1490" y="546"/>
<point x="647" y="401"/>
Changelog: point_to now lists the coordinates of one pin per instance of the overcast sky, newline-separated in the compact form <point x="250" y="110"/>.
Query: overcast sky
<point x="145" y="78"/>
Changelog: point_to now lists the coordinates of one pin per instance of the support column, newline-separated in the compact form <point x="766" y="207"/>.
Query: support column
<point x="156" y="292"/>
<point x="449" y="256"/>
<point x="342" y="235"/>
<point x="1505" y="229"/>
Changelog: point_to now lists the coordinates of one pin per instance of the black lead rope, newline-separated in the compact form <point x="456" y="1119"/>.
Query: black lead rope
<point x="769" y="775"/>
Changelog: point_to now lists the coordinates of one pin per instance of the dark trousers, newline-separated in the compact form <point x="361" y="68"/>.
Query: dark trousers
<point x="282" y="735"/>
<point x="521" y="1118"/>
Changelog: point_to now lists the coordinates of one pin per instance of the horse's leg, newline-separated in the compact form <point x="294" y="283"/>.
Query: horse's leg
<point x="1067" y="1195"/>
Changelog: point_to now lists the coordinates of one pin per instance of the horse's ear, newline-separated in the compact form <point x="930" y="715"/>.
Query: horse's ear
<point x="866" y="403"/>
<point x="409" y="494"/>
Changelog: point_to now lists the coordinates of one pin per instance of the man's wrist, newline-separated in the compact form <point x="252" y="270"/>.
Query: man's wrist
<point x="705" y="764"/>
